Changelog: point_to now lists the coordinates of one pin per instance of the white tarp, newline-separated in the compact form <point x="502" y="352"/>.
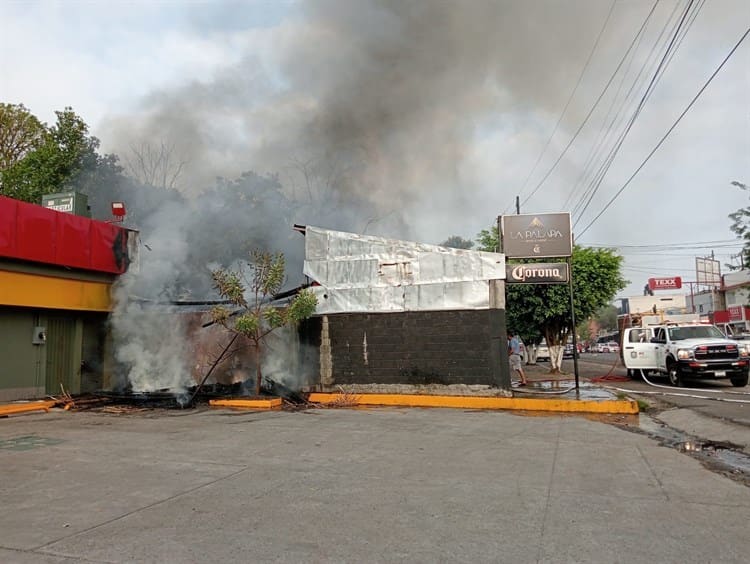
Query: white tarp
<point x="362" y="273"/>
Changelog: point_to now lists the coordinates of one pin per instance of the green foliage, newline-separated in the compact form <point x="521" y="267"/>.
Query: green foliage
<point x="248" y="324"/>
<point x="256" y="317"/>
<point x="303" y="306"/>
<point x="539" y="310"/>
<point x="229" y="285"/>
<point x="269" y="272"/>
<point x="274" y="317"/>
<point x="487" y="240"/>
<point x="606" y="316"/>
<point x="456" y="242"/>
<point x="220" y="315"/>
<point x="59" y="154"/>
<point x="741" y="226"/>
<point x="20" y="132"/>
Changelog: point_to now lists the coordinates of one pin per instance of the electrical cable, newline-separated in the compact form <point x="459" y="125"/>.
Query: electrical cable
<point x="604" y="134"/>
<point x="665" y="245"/>
<point x="613" y="151"/>
<point x="646" y="95"/>
<point x="570" y="99"/>
<point x="669" y="131"/>
<point x="596" y="103"/>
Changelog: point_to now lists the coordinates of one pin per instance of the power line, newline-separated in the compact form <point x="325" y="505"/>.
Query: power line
<point x="676" y="246"/>
<point x="596" y="103"/>
<point x="664" y="244"/>
<point x="669" y="131"/>
<point x="570" y="98"/>
<point x="646" y="95"/>
<point x="601" y="141"/>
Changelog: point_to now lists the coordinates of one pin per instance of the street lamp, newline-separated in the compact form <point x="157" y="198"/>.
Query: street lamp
<point x="738" y="184"/>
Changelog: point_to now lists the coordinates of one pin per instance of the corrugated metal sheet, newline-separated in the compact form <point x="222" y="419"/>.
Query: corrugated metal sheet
<point x="61" y="354"/>
<point x="362" y="273"/>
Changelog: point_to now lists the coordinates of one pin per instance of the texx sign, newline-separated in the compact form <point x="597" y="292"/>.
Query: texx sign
<point x="540" y="235"/>
<point x="666" y="283"/>
<point x="537" y="273"/>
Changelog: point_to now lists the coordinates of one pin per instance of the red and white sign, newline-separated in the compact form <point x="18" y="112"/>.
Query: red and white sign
<point x="735" y="313"/>
<point x="670" y="283"/>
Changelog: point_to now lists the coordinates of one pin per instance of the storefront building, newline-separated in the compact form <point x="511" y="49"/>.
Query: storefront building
<point x="57" y="271"/>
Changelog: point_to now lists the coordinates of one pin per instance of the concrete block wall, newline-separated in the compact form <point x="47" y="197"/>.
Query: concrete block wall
<point x="425" y="347"/>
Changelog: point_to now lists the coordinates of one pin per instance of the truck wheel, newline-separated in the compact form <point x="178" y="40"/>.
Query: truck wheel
<point x="675" y="376"/>
<point x="634" y="374"/>
<point x="740" y="381"/>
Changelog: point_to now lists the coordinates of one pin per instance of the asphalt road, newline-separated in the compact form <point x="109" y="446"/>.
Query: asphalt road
<point x="710" y="410"/>
<point x="356" y="485"/>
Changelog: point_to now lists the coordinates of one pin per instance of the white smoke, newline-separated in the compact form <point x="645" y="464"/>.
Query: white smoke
<point x="149" y="343"/>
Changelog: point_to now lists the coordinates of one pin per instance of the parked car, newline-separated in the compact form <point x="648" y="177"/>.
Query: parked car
<point x="602" y="348"/>
<point x="568" y="351"/>
<point x="542" y="351"/>
<point x="613" y="347"/>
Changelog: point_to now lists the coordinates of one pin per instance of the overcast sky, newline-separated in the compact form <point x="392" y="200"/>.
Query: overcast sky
<point x="438" y="110"/>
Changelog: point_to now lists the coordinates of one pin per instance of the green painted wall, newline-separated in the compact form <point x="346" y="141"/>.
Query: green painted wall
<point x="22" y="364"/>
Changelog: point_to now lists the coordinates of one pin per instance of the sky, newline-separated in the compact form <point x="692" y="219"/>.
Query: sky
<point x="438" y="113"/>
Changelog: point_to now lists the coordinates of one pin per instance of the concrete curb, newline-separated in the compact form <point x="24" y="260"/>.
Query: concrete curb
<point x="26" y="407"/>
<point x="273" y="403"/>
<point x="475" y="402"/>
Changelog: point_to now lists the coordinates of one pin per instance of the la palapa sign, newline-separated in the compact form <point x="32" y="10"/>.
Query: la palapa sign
<point x="537" y="273"/>
<point x="543" y="235"/>
<point x="665" y="283"/>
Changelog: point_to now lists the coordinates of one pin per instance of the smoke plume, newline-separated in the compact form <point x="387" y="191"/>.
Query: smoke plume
<point x="364" y="116"/>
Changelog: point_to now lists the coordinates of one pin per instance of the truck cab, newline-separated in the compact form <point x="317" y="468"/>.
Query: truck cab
<point x="683" y="351"/>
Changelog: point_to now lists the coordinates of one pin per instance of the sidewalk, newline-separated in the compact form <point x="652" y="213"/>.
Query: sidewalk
<point x="366" y="485"/>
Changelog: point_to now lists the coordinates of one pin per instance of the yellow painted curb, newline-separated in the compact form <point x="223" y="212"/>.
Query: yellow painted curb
<point x="27" y="407"/>
<point x="477" y="402"/>
<point x="247" y="403"/>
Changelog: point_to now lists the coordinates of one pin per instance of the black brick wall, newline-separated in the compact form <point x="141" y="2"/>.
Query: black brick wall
<point x="426" y="347"/>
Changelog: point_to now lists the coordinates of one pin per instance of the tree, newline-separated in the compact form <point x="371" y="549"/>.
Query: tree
<point x="52" y="164"/>
<point x="256" y="316"/>
<point x="456" y="242"/>
<point x="20" y="132"/>
<point x="741" y="226"/>
<point x="543" y="310"/>
<point x="154" y="166"/>
<point x="607" y="317"/>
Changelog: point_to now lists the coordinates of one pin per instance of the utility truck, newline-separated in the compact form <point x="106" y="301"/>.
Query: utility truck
<point x="682" y="349"/>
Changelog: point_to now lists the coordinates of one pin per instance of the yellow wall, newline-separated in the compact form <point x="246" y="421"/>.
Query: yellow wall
<point x="33" y="290"/>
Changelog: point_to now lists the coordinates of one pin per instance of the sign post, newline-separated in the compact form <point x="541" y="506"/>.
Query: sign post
<point x="545" y="235"/>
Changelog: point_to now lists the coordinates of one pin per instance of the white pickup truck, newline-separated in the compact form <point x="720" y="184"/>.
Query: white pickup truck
<point x="682" y="351"/>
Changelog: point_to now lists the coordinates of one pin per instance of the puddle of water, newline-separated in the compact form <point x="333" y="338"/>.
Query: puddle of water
<point x="723" y="454"/>
<point x="28" y="442"/>
<point x="586" y="391"/>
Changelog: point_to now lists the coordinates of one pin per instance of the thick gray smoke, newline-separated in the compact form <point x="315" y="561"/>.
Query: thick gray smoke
<point x="363" y="116"/>
<point x="372" y="108"/>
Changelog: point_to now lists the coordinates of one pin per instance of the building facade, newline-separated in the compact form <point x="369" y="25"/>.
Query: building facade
<point x="56" y="275"/>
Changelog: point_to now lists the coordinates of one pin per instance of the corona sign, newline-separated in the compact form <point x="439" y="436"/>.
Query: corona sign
<point x="537" y="273"/>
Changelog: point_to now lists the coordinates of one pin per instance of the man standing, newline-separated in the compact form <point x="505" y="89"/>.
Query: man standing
<point x="514" y="353"/>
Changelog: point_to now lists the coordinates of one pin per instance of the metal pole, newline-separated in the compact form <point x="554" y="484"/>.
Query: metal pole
<point x="499" y="363"/>
<point x="518" y="205"/>
<point x="573" y="322"/>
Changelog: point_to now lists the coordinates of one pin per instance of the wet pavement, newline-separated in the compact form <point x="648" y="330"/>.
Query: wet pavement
<point x="373" y="485"/>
